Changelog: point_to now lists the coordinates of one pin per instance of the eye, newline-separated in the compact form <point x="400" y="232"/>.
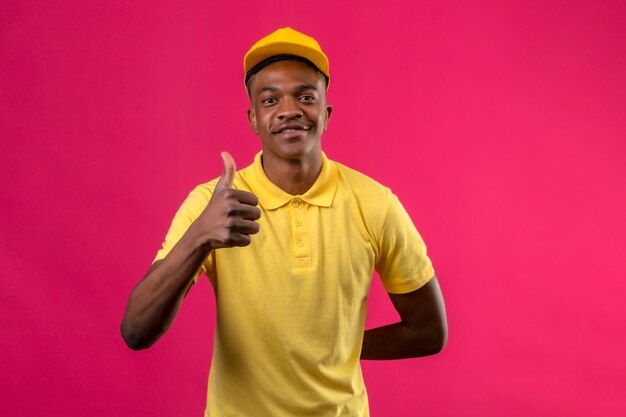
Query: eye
<point x="269" y="100"/>
<point x="307" y="98"/>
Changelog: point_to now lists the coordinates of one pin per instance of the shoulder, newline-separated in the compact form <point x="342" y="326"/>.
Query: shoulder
<point x="361" y="185"/>
<point x="204" y="191"/>
<point x="364" y="197"/>
<point x="196" y="201"/>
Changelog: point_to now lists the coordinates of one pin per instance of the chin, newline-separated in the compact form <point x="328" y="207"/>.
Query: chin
<point x="294" y="151"/>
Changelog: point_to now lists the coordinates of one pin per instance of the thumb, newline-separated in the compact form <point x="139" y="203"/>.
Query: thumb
<point x="228" y="175"/>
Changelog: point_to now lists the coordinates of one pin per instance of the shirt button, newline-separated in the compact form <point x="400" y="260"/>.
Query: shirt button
<point x="296" y="204"/>
<point x="300" y="243"/>
<point x="298" y="222"/>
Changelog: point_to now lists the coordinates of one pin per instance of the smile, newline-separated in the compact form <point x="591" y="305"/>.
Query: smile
<point x="291" y="129"/>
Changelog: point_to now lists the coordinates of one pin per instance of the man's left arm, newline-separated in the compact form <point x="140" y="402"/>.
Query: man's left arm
<point x="422" y="330"/>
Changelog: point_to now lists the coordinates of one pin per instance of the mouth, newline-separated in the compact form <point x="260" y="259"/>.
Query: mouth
<point x="291" y="129"/>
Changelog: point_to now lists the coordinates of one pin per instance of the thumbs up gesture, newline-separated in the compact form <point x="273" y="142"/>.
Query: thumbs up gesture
<point x="230" y="217"/>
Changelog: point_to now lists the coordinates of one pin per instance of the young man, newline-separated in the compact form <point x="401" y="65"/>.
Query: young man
<point x="290" y="244"/>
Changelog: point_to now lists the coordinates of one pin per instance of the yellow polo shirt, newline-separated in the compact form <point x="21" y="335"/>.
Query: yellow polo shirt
<point x="291" y="305"/>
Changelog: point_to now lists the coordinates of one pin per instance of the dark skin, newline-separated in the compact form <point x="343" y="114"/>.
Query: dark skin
<point x="422" y="329"/>
<point x="229" y="220"/>
<point x="289" y="113"/>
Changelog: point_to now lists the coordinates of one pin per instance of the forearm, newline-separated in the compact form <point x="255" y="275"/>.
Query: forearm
<point x="401" y="341"/>
<point x="154" y="302"/>
<point x="227" y="221"/>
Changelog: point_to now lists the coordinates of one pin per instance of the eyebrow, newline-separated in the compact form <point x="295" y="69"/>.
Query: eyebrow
<point x="300" y="88"/>
<point x="303" y="87"/>
<point x="266" y="89"/>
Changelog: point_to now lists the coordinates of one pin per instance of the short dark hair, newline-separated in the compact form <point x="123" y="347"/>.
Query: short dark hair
<point x="276" y="58"/>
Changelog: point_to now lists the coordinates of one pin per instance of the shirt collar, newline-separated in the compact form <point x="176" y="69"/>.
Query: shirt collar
<point x="272" y="197"/>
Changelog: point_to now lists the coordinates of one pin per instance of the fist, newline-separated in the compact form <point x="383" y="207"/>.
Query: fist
<point x="230" y="217"/>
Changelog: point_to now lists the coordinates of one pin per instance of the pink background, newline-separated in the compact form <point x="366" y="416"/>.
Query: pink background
<point x="500" y="125"/>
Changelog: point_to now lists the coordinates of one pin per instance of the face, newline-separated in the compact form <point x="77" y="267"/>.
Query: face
<point x="288" y="110"/>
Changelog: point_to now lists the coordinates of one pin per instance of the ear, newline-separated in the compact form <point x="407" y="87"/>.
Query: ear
<point x="328" y="111"/>
<point x="252" y="120"/>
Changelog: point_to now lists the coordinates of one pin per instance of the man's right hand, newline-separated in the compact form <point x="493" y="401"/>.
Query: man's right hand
<point x="228" y="220"/>
<point x="230" y="217"/>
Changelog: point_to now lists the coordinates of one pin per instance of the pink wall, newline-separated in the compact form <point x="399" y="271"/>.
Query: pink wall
<point x="500" y="125"/>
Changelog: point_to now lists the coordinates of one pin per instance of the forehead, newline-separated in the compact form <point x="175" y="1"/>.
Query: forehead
<point x="284" y="75"/>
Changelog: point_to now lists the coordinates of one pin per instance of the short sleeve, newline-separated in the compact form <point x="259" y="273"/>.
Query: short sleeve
<point x="188" y="212"/>
<point x="402" y="262"/>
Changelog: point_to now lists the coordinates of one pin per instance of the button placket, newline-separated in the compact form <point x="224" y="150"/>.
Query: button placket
<point x="300" y="240"/>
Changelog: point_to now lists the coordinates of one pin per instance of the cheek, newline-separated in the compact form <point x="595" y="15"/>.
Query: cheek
<point x="323" y="120"/>
<point x="259" y="121"/>
<point x="266" y="123"/>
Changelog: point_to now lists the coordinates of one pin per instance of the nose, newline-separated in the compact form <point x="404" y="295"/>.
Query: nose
<point x="289" y="109"/>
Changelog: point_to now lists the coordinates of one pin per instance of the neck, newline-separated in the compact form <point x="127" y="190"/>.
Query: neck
<point x="294" y="176"/>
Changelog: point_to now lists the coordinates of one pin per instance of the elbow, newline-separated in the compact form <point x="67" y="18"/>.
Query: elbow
<point x="436" y="340"/>
<point x="439" y="341"/>
<point x="132" y="338"/>
<point x="425" y="341"/>
<point x="437" y="332"/>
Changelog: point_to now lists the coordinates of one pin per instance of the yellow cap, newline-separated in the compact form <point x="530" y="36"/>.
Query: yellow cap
<point x="290" y="42"/>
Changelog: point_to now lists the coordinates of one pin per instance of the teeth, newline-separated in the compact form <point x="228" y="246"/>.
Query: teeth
<point x="292" y="130"/>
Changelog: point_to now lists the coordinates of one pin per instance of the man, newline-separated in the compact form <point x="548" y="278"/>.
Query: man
<point x="290" y="244"/>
